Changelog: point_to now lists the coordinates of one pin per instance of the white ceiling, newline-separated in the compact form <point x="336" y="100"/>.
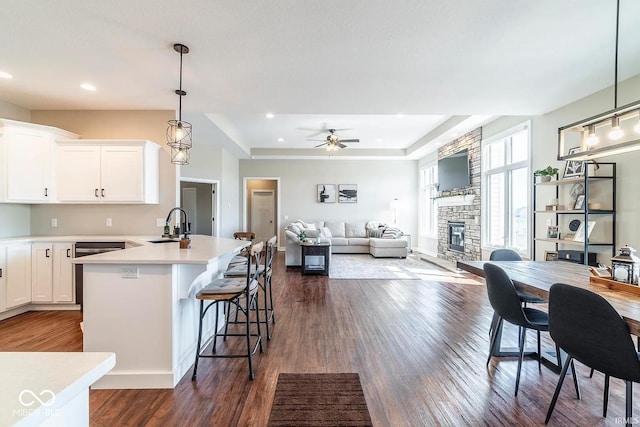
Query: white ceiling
<point x="351" y="64"/>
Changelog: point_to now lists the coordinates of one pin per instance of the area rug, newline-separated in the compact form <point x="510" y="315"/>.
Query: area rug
<point x="365" y="266"/>
<point x="319" y="400"/>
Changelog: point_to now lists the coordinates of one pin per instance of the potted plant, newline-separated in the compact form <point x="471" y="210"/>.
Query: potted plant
<point x="302" y="236"/>
<point x="546" y="173"/>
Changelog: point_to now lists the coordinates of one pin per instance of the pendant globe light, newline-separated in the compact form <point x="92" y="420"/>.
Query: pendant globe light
<point x="179" y="132"/>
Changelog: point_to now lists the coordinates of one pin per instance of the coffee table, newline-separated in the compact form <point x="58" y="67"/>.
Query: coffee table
<point x="315" y="258"/>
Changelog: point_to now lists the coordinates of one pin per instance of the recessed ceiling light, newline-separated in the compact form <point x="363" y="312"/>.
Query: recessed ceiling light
<point x="400" y="115"/>
<point x="378" y="139"/>
<point x="270" y="115"/>
<point x="5" y="75"/>
<point x="280" y="139"/>
<point x="88" y="86"/>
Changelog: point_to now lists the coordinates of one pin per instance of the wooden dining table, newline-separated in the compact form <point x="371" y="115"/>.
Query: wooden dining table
<point x="536" y="277"/>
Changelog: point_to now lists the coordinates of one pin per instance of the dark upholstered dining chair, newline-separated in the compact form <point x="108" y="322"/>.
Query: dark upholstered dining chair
<point x="511" y="255"/>
<point x="590" y="330"/>
<point x="505" y="302"/>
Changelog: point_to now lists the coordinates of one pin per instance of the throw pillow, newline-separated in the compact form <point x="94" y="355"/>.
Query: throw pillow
<point x="377" y="233"/>
<point x="311" y="233"/>
<point x="391" y="233"/>
<point x="326" y="233"/>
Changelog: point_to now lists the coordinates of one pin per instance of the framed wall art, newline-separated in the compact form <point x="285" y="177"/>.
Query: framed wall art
<point x="348" y="193"/>
<point x="326" y="193"/>
<point x="574" y="167"/>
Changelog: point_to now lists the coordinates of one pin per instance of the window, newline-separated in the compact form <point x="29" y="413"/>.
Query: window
<point x="428" y="206"/>
<point x="505" y="190"/>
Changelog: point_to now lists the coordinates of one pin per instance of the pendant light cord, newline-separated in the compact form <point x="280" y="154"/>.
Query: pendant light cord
<point x="180" y="94"/>
<point x="615" y="83"/>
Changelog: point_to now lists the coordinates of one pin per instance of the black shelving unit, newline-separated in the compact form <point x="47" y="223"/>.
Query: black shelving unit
<point x="594" y="172"/>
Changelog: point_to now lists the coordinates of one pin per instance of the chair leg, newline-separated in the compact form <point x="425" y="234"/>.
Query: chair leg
<point x="266" y="309"/>
<point x="575" y="379"/>
<point x="563" y="373"/>
<point x="273" y="312"/>
<point x="494" y="323"/>
<point x="539" y="353"/>
<point x="494" y="339"/>
<point x="605" y="400"/>
<point x="248" y="334"/>
<point x="257" y="305"/>
<point x="591" y="373"/>
<point x="215" y="331"/>
<point x="629" y="405"/>
<point x="522" y="338"/>
<point x="195" y="365"/>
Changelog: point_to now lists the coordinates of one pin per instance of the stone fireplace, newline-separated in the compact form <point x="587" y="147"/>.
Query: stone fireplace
<point x="459" y="210"/>
<point x="456" y="236"/>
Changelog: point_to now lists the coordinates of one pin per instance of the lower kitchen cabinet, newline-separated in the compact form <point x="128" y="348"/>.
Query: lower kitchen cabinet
<point x="52" y="273"/>
<point x="16" y="273"/>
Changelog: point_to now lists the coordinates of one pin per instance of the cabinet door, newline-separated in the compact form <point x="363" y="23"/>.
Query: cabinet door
<point x="41" y="272"/>
<point x="28" y="163"/>
<point x="63" y="290"/>
<point x="122" y="174"/>
<point x="3" y="272"/>
<point x="17" y="274"/>
<point x="78" y="173"/>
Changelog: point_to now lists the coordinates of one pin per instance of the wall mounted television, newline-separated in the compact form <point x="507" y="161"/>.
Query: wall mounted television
<point x="453" y="171"/>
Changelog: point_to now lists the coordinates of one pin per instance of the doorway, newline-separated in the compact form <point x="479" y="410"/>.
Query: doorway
<point x="261" y="207"/>
<point x="263" y="214"/>
<point x="200" y="199"/>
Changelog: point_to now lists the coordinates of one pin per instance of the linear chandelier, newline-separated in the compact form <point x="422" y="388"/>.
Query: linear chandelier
<point x="613" y="132"/>
<point x="179" y="136"/>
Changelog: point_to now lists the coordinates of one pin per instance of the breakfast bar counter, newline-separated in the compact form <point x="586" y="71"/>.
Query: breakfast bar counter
<point x="139" y="304"/>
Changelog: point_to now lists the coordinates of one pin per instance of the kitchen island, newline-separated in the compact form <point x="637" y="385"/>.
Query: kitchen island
<point x="139" y="303"/>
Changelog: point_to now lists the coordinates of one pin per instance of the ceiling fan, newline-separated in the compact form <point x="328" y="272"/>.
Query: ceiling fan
<point x="333" y="142"/>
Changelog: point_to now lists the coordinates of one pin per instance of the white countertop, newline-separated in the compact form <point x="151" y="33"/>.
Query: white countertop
<point x="55" y="378"/>
<point x="132" y="239"/>
<point x="203" y="250"/>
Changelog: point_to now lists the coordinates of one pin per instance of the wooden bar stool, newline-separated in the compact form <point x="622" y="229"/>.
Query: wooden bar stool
<point x="238" y="292"/>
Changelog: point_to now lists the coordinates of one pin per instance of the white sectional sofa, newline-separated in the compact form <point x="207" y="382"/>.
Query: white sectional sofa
<point x="346" y="238"/>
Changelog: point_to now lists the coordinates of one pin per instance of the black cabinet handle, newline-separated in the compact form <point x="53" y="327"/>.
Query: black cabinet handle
<point x="102" y="192"/>
<point x="0" y="272"/>
<point x="46" y="252"/>
<point x="46" y="191"/>
<point x="68" y="253"/>
<point x="96" y="192"/>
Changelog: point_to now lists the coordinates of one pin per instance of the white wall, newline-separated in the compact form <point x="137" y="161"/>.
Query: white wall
<point x="230" y="195"/>
<point x="379" y="181"/>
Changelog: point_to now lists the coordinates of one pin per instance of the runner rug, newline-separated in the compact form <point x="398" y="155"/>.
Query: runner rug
<point x="319" y="400"/>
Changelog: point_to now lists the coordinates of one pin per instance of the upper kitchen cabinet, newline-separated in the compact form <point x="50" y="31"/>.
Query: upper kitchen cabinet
<point x="107" y="171"/>
<point x="26" y="151"/>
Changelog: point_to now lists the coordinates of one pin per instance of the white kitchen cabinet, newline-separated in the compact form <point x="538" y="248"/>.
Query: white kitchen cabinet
<point x="17" y="274"/>
<point x="26" y="153"/>
<point x="63" y="286"/>
<point x="42" y="272"/>
<point x="101" y="171"/>
<point x="51" y="273"/>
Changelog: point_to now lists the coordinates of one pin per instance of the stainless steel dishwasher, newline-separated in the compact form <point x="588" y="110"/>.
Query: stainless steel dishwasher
<point x="91" y="248"/>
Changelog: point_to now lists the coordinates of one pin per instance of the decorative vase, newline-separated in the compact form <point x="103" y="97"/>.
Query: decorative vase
<point x="545" y="178"/>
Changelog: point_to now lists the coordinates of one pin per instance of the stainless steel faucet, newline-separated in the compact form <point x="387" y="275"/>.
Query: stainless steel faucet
<point x="176" y="230"/>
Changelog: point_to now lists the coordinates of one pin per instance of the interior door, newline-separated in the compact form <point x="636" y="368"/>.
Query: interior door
<point x="262" y="214"/>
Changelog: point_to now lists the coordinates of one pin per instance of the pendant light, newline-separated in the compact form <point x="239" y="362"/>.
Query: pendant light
<point x="179" y="131"/>
<point x="616" y="140"/>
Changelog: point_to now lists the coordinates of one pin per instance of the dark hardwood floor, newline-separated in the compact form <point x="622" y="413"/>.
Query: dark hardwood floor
<point x="419" y="347"/>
